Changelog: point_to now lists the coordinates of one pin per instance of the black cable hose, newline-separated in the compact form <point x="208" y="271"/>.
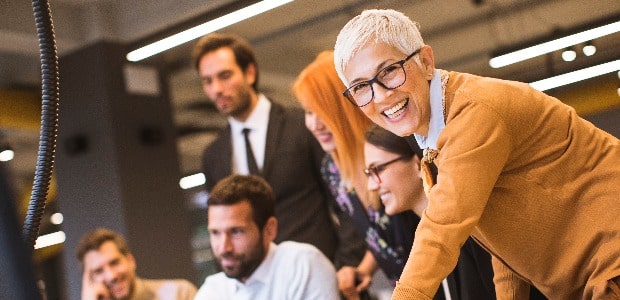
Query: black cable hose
<point x="49" y="120"/>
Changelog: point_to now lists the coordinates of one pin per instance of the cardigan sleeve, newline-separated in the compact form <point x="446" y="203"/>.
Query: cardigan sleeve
<point x="507" y="284"/>
<point x="473" y="149"/>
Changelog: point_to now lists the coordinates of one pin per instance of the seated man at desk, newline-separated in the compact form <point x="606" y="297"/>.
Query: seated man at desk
<point x="109" y="271"/>
<point x="242" y="227"/>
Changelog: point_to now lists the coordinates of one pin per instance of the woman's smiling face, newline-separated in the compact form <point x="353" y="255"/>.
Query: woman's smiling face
<point x="320" y="132"/>
<point x="404" y="110"/>
<point x="400" y="187"/>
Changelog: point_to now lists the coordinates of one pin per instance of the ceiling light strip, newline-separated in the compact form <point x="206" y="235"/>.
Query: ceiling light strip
<point x="575" y="76"/>
<point x="554" y="45"/>
<point x="205" y="28"/>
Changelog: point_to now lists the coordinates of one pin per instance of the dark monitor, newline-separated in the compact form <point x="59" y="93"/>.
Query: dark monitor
<point x="17" y="280"/>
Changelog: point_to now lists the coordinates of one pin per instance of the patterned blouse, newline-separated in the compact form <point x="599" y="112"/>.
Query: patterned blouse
<point x="389" y="238"/>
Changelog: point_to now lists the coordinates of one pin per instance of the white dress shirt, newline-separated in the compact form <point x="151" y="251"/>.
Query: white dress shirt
<point x="290" y="271"/>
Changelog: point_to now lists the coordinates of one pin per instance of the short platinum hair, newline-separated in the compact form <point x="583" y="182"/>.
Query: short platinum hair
<point x="377" y="26"/>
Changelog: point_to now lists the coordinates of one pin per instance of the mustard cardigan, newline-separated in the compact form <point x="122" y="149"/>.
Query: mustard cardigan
<point x="532" y="182"/>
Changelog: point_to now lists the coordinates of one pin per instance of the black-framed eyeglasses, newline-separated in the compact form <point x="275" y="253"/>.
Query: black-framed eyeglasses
<point x="390" y="77"/>
<point x="373" y="171"/>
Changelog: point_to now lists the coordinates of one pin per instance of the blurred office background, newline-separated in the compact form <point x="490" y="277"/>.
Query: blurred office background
<point x="131" y="130"/>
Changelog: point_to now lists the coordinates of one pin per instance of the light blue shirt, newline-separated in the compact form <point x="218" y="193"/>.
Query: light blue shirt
<point x="290" y="271"/>
<point x="436" y="123"/>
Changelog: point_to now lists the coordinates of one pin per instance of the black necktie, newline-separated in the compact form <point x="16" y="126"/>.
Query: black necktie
<point x="252" y="166"/>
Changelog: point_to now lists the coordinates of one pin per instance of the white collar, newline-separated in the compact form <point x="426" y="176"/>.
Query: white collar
<point x="258" y="118"/>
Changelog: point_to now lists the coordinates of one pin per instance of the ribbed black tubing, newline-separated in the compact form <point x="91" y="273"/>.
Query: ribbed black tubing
<point x="49" y="120"/>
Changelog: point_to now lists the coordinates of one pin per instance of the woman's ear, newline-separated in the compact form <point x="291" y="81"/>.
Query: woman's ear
<point x="415" y="161"/>
<point x="427" y="59"/>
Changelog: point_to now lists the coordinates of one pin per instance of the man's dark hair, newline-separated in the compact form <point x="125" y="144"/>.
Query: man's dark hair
<point x="244" y="55"/>
<point x="253" y="189"/>
<point x="94" y="239"/>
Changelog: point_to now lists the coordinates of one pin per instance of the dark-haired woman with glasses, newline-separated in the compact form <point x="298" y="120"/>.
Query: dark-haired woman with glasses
<point x="393" y="171"/>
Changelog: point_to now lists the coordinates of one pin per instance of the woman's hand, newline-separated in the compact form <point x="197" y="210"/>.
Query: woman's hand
<point x="352" y="282"/>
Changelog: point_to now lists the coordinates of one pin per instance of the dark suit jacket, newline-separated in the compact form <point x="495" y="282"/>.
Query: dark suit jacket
<point x="292" y="168"/>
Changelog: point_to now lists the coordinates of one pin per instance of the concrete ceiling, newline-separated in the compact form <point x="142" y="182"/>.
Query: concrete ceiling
<point x="463" y="34"/>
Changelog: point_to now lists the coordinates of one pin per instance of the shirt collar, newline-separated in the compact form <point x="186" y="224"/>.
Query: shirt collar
<point x="436" y="123"/>
<point x="258" y="118"/>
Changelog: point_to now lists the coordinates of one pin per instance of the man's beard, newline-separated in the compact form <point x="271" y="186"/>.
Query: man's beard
<point x="244" y="104"/>
<point x="247" y="263"/>
<point x="128" y="293"/>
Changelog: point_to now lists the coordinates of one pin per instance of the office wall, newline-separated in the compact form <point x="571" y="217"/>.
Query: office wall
<point x="117" y="165"/>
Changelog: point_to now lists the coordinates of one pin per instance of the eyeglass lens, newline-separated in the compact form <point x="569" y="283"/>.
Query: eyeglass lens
<point x="390" y="77"/>
<point x="373" y="171"/>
